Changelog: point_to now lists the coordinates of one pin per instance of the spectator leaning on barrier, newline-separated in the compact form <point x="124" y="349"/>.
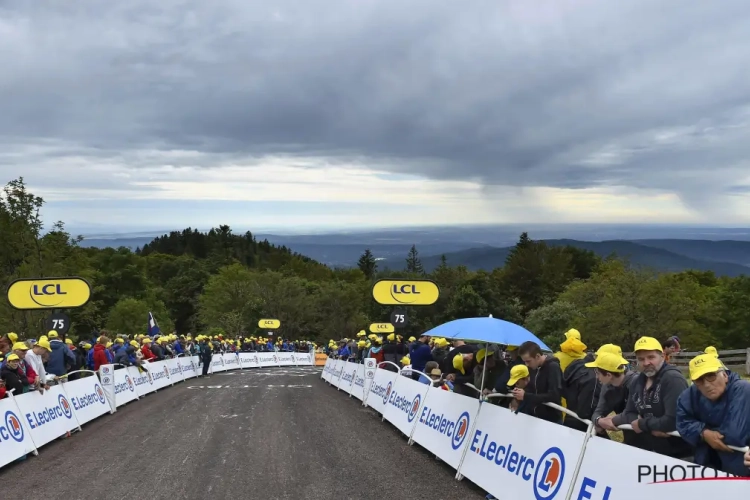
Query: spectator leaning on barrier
<point x="713" y="413"/>
<point x="519" y="379"/>
<point x="580" y="386"/>
<point x="12" y="375"/>
<point x="545" y="385"/>
<point x="612" y="373"/>
<point x="652" y="404"/>
<point x="462" y="372"/>
<point x="36" y="358"/>
<point x="486" y="378"/>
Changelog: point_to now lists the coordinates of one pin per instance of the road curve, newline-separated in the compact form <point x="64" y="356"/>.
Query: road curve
<point x="267" y="434"/>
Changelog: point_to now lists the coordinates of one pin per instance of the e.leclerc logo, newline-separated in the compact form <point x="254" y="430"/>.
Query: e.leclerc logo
<point x="63" y="402"/>
<point x="387" y="392"/>
<point x="13" y="428"/>
<point x="414" y="408"/>
<point x="131" y="386"/>
<point x="456" y="430"/>
<point x="546" y="474"/>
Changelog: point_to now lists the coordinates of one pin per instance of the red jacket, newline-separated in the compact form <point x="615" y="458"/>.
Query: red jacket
<point x="100" y="356"/>
<point x="147" y="354"/>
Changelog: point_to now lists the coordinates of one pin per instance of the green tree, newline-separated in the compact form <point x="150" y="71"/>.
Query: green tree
<point x="549" y="322"/>
<point x="367" y="264"/>
<point x="130" y="317"/>
<point x="413" y="263"/>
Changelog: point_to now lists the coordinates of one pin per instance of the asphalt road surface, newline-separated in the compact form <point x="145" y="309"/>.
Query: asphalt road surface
<point x="277" y="433"/>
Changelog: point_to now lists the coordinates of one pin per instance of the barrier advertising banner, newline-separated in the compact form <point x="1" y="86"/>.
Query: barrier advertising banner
<point x="231" y="361"/>
<point x="304" y="359"/>
<point x="217" y="364"/>
<point x="517" y="456"/>
<point x="347" y="377"/>
<point x="444" y="423"/>
<point x="88" y="399"/>
<point x="337" y="371"/>
<point x="380" y="389"/>
<point x="286" y="359"/>
<point x="361" y="384"/>
<point x="648" y="476"/>
<point x="327" y="370"/>
<point x="249" y="360"/>
<point x="124" y="388"/>
<point x="159" y="373"/>
<point x="189" y="366"/>
<point x="404" y="403"/>
<point x="15" y="433"/>
<point x="142" y="380"/>
<point x="48" y="416"/>
<point x="175" y="373"/>
<point x="267" y="359"/>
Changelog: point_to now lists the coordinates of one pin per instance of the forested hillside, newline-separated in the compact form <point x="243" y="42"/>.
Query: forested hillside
<point x="195" y="282"/>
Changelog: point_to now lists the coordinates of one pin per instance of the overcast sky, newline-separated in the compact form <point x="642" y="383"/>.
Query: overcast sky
<point x="328" y="113"/>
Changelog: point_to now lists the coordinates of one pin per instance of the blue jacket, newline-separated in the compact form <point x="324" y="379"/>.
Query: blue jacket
<point x="419" y="354"/>
<point x="178" y="348"/>
<point x="344" y="352"/>
<point x="90" y="359"/>
<point x="730" y="415"/>
<point x="60" y="356"/>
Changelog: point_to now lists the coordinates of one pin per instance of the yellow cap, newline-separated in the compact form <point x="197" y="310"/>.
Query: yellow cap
<point x="146" y="340"/>
<point x="412" y="339"/>
<point x="712" y="351"/>
<point x="119" y="340"/>
<point x="481" y="353"/>
<point x="511" y="348"/>
<point x="405" y="360"/>
<point x="13" y="337"/>
<point x="68" y="341"/>
<point x="703" y="364"/>
<point x="87" y="346"/>
<point x="609" y="362"/>
<point x="44" y="343"/>
<point x="20" y="346"/>
<point x="573" y="333"/>
<point x="109" y="344"/>
<point x="12" y="357"/>
<point x="610" y="348"/>
<point x="52" y="334"/>
<point x="458" y="363"/>
<point x="517" y="373"/>
<point x="391" y="337"/>
<point x="647" y="344"/>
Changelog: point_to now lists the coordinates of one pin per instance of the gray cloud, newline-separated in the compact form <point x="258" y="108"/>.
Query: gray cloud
<point x="566" y="94"/>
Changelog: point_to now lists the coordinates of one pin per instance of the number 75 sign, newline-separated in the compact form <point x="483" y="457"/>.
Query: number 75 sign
<point x="59" y="322"/>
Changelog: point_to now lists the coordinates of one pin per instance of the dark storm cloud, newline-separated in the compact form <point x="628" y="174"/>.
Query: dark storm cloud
<point x="566" y="94"/>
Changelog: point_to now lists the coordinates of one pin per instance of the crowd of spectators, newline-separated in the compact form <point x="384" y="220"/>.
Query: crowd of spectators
<point x="699" y="418"/>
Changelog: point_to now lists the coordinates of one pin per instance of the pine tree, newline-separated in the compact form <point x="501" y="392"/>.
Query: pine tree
<point x="413" y="264"/>
<point x="367" y="264"/>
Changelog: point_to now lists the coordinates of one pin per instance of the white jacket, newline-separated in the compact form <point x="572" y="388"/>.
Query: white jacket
<point x="37" y="364"/>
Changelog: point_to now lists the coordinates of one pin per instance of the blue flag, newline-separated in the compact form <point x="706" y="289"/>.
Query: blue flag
<point x="153" y="328"/>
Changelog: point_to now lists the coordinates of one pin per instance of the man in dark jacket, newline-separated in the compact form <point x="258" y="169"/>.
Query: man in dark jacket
<point x="652" y="405"/>
<point x="125" y="356"/>
<point x="713" y="413"/>
<point x="420" y="354"/>
<point x="545" y="385"/>
<point x="490" y="366"/>
<point x="461" y="369"/>
<point x="615" y="378"/>
<point x="60" y="357"/>
<point x="580" y="389"/>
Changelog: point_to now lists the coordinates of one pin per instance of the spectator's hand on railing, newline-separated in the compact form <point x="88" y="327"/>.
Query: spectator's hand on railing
<point x="747" y="459"/>
<point x="715" y="440"/>
<point x="606" y="423"/>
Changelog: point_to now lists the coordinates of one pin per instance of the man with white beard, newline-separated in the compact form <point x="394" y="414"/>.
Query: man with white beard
<point x="652" y="403"/>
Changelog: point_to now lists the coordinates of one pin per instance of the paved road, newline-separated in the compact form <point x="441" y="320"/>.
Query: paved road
<point x="262" y="434"/>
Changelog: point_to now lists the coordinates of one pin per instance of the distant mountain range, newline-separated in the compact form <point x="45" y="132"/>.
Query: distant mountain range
<point x="725" y="258"/>
<point x="480" y="248"/>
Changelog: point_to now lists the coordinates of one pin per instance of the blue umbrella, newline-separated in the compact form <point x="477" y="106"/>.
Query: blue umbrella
<point x="488" y="330"/>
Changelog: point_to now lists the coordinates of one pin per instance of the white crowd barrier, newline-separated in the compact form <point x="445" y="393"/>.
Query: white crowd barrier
<point x="29" y="421"/>
<point x="518" y="456"/>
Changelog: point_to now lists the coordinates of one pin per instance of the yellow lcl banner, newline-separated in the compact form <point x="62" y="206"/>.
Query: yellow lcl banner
<point x="49" y="293"/>
<point x="269" y="324"/>
<point x="382" y="328"/>
<point x="405" y="292"/>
